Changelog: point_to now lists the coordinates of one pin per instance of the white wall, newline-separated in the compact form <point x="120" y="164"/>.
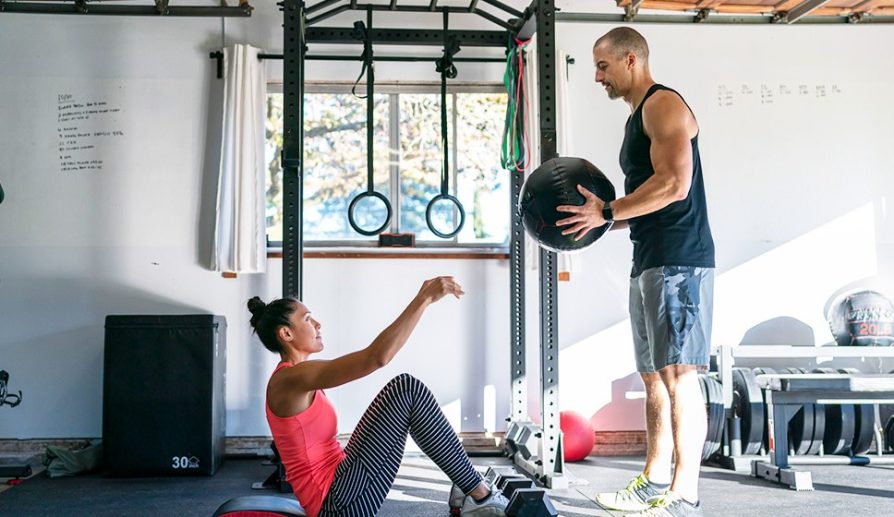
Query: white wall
<point x="797" y="194"/>
<point x="798" y="188"/>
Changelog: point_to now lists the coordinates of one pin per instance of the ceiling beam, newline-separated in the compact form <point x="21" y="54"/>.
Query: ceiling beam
<point x="801" y="10"/>
<point x="632" y="10"/>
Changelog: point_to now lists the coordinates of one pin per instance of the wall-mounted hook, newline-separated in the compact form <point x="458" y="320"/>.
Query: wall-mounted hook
<point x="568" y="61"/>
<point x="219" y="57"/>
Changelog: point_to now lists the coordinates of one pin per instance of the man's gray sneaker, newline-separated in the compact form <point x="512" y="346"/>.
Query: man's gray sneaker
<point x="634" y="498"/>
<point x="670" y="505"/>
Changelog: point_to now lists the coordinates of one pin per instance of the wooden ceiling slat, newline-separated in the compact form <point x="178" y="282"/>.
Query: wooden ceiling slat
<point x="673" y="6"/>
<point x="868" y="5"/>
<point x="745" y="9"/>
<point x="709" y="4"/>
<point x="786" y="5"/>
<point x="831" y="11"/>
<point x="725" y="8"/>
<point x="830" y="8"/>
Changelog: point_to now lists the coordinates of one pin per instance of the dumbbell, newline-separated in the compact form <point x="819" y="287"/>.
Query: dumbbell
<point x="525" y="500"/>
<point x="530" y="502"/>
<point x="494" y="475"/>
<point x="507" y="480"/>
<point x="508" y="485"/>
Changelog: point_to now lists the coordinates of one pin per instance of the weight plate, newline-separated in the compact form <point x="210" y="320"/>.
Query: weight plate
<point x="889" y="434"/>
<point x="800" y="427"/>
<point x="864" y="423"/>
<point x="885" y="411"/>
<point x="840" y="424"/>
<point x="717" y="416"/>
<point x="819" y="424"/>
<point x="708" y="438"/>
<point x="765" y="441"/>
<point x="748" y="404"/>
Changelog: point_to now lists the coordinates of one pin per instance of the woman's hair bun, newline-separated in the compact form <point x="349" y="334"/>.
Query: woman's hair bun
<point x="256" y="306"/>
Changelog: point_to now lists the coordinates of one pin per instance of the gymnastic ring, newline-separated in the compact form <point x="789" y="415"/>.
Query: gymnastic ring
<point x="353" y="205"/>
<point x="462" y="216"/>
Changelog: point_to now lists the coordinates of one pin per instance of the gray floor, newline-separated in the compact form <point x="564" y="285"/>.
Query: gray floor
<point x="839" y="490"/>
<point x="421" y="490"/>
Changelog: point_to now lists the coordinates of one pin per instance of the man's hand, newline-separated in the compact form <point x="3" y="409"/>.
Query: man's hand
<point x="586" y="216"/>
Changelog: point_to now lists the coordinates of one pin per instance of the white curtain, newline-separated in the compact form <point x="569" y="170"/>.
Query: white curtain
<point x="240" y="244"/>
<point x="566" y="263"/>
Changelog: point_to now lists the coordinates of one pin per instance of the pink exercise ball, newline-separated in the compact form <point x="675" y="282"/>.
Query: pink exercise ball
<point x="577" y="434"/>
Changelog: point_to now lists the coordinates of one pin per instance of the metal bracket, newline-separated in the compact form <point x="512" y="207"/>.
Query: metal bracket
<point x="162" y="7"/>
<point x="701" y="15"/>
<point x="797" y="479"/>
<point x="631" y="10"/>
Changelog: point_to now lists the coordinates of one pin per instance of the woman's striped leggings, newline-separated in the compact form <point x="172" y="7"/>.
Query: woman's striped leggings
<point x="364" y="477"/>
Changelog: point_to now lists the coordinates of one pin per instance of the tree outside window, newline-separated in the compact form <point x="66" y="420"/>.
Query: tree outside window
<point x="407" y="155"/>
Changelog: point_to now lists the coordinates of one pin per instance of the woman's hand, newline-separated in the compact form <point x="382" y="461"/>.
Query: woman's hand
<point x="436" y="288"/>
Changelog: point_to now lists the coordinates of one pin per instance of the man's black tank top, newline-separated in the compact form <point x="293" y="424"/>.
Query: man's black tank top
<point x="678" y="234"/>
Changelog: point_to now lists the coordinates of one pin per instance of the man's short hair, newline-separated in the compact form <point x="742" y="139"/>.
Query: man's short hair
<point x="623" y="41"/>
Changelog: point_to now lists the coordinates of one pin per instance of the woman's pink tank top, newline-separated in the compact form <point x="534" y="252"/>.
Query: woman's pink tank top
<point x="308" y="448"/>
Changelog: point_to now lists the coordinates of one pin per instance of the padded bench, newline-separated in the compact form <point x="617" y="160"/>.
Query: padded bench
<point x="260" y="506"/>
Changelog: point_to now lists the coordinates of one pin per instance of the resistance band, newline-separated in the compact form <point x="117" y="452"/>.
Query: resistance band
<point x="515" y="155"/>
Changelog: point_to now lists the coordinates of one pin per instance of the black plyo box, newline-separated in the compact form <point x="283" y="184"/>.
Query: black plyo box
<point x="164" y="408"/>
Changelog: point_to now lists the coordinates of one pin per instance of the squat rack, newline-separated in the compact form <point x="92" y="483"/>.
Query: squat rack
<point x="541" y="451"/>
<point x="541" y="454"/>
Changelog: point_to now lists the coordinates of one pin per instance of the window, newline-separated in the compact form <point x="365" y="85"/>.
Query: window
<point x="407" y="159"/>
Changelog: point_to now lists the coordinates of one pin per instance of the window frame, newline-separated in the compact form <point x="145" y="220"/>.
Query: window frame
<point x="395" y="88"/>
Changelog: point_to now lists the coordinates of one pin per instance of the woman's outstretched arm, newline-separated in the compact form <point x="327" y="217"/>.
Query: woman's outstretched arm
<point x="316" y="374"/>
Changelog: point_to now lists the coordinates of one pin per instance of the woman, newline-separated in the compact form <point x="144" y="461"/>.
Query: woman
<point x="327" y="480"/>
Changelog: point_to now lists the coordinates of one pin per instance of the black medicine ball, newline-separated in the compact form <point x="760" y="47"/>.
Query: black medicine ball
<point x="555" y="183"/>
<point x="862" y="318"/>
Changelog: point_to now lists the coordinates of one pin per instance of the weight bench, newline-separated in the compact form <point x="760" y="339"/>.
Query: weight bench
<point x="260" y="506"/>
<point x="784" y="395"/>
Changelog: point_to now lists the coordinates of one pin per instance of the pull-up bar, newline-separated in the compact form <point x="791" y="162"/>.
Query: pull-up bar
<point x="218" y="55"/>
<point x="433" y="7"/>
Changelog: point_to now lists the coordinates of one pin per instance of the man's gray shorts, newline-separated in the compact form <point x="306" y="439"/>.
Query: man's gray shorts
<point x="670" y="311"/>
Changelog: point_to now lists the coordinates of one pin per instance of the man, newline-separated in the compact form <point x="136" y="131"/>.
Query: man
<point x="671" y="286"/>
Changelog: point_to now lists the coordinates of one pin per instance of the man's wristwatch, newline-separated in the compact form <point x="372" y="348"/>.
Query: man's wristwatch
<point x="607" y="213"/>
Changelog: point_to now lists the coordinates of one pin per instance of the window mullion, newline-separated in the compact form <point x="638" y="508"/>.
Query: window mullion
<point x="394" y="158"/>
